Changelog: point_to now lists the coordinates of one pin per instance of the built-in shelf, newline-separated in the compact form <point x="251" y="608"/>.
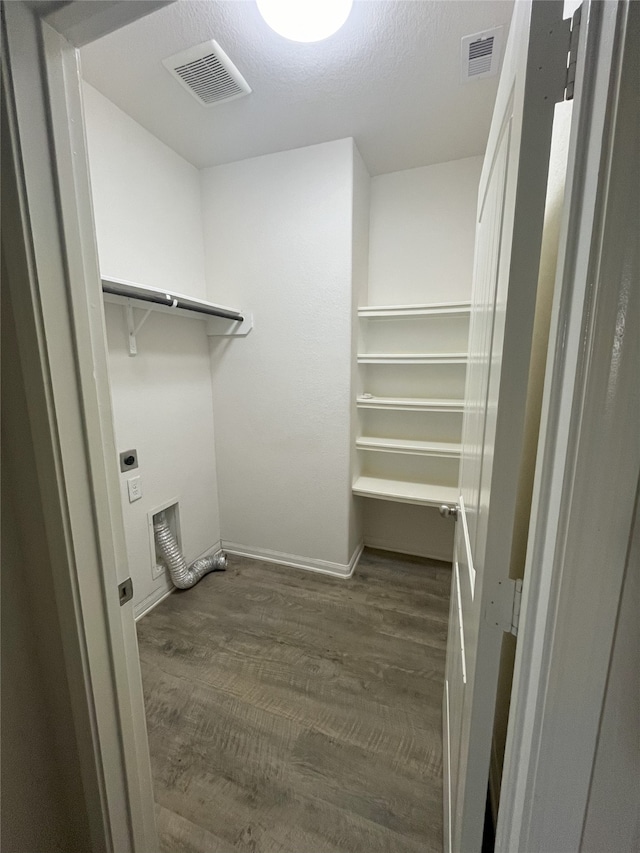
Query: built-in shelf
<point x="388" y="312"/>
<point x="384" y="456"/>
<point x="412" y="358"/>
<point x="405" y="492"/>
<point x="446" y="449"/>
<point x="408" y="404"/>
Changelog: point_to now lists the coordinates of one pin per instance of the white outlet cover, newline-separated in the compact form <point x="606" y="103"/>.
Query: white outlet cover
<point x="134" y="485"/>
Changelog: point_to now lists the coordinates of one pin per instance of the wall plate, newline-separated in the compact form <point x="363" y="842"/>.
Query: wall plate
<point x="157" y="569"/>
<point x="128" y="460"/>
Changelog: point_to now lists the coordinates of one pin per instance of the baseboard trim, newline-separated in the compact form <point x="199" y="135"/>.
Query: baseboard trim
<point x="154" y="602"/>
<point x="338" y="570"/>
<point x="383" y="545"/>
<point x="210" y="552"/>
<point x="150" y="602"/>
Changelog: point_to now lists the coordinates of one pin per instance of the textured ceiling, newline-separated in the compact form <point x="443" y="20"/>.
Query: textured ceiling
<point x="389" y="78"/>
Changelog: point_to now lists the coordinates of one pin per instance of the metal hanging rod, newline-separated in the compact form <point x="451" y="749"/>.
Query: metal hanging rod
<point x="168" y="299"/>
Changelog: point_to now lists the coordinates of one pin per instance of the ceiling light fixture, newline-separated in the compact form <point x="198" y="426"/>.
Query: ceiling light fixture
<point x="305" y="20"/>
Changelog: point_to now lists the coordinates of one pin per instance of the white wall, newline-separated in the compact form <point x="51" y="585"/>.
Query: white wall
<point x="147" y="206"/>
<point x="278" y="235"/>
<point x="285" y="236"/>
<point x="422" y="233"/>
<point x="408" y="529"/>
<point x="146" y="203"/>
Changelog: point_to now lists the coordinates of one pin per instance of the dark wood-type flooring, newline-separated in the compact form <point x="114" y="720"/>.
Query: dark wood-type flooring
<point x="294" y="712"/>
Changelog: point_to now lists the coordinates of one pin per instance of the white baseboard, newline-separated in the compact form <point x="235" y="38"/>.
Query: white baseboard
<point x="210" y="552"/>
<point x="151" y="601"/>
<point x="385" y="545"/>
<point x="339" y="570"/>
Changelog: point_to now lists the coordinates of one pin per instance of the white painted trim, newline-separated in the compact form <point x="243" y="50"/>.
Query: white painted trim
<point x="81" y="22"/>
<point x="338" y="570"/>
<point x="87" y="342"/>
<point x="148" y="603"/>
<point x="212" y="551"/>
<point x="60" y="332"/>
<point x="569" y="603"/>
<point x="446" y="770"/>
<point x="25" y="175"/>
<point x="153" y="604"/>
<point x="383" y="545"/>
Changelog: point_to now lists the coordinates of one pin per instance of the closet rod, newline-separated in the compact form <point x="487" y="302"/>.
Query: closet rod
<point x="161" y="297"/>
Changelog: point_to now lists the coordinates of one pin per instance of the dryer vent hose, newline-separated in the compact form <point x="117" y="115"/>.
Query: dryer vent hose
<point x="182" y="575"/>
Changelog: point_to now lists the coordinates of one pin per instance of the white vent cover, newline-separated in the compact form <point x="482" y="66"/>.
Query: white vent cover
<point x="480" y="55"/>
<point x="207" y="73"/>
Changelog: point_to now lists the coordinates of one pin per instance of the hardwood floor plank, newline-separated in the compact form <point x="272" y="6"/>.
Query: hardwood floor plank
<point x="299" y="713"/>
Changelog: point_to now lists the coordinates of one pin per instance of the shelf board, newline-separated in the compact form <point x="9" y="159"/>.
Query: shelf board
<point x="445" y="449"/>
<point x="403" y="492"/>
<point x="409" y="404"/>
<point x="388" y="312"/>
<point x="412" y="358"/>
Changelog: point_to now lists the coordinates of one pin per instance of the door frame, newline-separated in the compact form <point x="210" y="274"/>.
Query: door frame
<point x="48" y="242"/>
<point x="569" y="604"/>
<point x="51" y="254"/>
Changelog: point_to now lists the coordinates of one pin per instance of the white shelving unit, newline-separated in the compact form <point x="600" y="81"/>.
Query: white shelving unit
<point x="408" y="404"/>
<point x="412" y="358"/>
<point x="448" y="450"/>
<point x="409" y="433"/>
<point x="402" y="491"/>
<point x="387" y="312"/>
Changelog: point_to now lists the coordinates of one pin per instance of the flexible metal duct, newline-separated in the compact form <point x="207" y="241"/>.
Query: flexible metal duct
<point x="182" y="575"/>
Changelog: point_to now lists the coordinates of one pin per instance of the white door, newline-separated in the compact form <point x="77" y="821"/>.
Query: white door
<point x="508" y="237"/>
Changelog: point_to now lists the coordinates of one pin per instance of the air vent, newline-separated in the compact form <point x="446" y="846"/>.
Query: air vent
<point x="208" y="74"/>
<point x="480" y="55"/>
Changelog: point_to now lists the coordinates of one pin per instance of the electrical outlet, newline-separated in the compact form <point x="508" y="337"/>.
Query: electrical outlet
<point x="128" y="460"/>
<point x="157" y="570"/>
<point x="134" y="485"/>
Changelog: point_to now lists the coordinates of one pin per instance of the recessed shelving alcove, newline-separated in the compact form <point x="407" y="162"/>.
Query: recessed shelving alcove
<point x="412" y="361"/>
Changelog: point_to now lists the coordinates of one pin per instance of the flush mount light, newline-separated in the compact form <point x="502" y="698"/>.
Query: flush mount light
<point x="305" y="20"/>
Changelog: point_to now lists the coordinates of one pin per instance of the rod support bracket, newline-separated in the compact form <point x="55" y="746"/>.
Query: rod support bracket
<point x="132" y="327"/>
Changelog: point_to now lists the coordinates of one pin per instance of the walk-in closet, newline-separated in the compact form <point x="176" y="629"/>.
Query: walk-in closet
<point x="286" y="236"/>
<point x="319" y="426"/>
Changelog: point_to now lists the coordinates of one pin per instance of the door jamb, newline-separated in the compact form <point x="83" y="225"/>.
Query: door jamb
<point x="60" y="253"/>
<point x="51" y="256"/>
<point x="563" y="654"/>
